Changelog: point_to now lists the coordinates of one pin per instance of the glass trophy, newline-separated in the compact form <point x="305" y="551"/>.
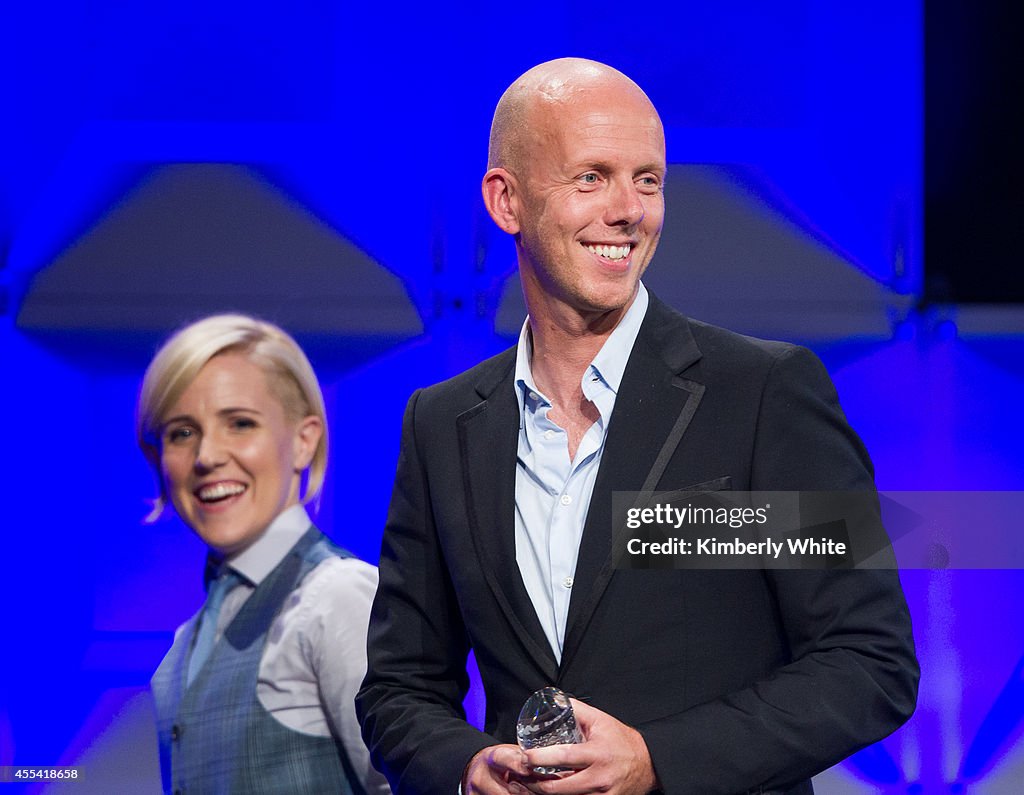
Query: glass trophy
<point x="547" y="719"/>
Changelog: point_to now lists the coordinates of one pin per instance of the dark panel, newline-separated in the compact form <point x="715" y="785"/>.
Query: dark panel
<point x="974" y="162"/>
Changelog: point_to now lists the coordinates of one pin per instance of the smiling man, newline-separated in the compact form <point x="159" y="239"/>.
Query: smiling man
<point x="499" y="536"/>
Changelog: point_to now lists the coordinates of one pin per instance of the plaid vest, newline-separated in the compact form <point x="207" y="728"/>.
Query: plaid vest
<point x="215" y="736"/>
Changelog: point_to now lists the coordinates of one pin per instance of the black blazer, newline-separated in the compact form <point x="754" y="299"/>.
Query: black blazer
<point x="740" y="680"/>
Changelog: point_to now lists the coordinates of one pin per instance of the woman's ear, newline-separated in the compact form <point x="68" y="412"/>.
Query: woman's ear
<point x="307" y="436"/>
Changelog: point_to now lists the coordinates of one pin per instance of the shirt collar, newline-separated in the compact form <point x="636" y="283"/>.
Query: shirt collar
<point x="256" y="561"/>
<point x="524" y="374"/>
<point x="609" y="364"/>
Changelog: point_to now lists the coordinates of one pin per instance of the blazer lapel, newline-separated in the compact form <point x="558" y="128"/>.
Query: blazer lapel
<point x="653" y="409"/>
<point x="488" y="443"/>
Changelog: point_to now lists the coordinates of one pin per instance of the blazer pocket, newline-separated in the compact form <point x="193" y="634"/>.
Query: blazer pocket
<point x="723" y="483"/>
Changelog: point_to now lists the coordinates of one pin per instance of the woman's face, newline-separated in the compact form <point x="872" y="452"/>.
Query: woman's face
<point x="230" y="455"/>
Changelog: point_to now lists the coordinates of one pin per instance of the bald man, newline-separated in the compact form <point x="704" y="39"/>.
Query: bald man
<point x="499" y="535"/>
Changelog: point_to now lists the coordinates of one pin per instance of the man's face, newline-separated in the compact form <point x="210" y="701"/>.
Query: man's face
<point x="591" y="204"/>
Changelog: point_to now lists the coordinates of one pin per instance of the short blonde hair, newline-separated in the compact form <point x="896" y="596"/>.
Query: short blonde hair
<point x="178" y="362"/>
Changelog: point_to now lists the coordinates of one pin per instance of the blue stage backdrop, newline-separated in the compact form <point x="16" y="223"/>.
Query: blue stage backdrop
<point x="318" y="163"/>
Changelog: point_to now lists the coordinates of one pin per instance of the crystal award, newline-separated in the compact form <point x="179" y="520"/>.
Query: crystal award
<point x="547" y="719"/>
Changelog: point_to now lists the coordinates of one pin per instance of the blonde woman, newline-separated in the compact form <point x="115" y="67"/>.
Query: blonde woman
<point x="256" y="693"/>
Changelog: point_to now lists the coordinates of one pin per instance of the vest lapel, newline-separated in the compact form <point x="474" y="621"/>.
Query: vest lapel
<point x="254" y="619"/>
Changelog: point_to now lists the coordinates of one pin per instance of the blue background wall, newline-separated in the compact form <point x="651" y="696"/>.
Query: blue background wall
<point x="318" y="164"/>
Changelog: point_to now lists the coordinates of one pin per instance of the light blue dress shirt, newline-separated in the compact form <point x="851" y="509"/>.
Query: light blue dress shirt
<point x="552" y="492"/>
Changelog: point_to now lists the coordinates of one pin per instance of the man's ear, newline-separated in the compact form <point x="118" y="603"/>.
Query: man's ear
<point x="500" y="198"/>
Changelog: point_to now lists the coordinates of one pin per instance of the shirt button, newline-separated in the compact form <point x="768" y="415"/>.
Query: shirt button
<point x="549" y="434"/>
<point x="175" y="731"/>
<point x="567" y="582"/>
<point x="533" y="396"/>
<point x="565" y="499"/>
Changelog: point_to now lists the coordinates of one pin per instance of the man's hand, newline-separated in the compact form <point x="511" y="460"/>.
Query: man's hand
<point x="491" y="770"/>
<point x="613" y="759"/>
